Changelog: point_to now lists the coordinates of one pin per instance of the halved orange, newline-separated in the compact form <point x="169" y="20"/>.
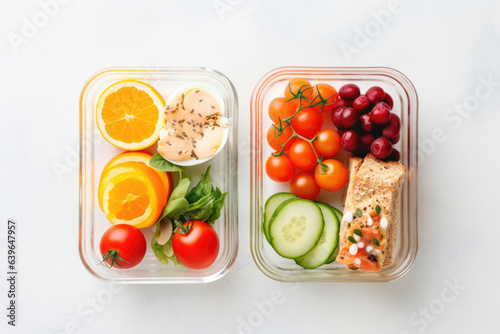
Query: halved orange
<point x="137" y="156"/>
<point x="129" y="114"/>
<point x="134" y="196"/>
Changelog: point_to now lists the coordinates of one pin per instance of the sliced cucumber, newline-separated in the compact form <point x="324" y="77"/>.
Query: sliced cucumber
<point x="327" y="243"/>
<point x="295" y="227"/>
<point x="336" y="252"/>
<point x="271" y="204"/>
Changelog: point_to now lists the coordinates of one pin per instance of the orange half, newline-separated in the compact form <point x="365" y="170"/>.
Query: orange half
<point x="134" y="196"/>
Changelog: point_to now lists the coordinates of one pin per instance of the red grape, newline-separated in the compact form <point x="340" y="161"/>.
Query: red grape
<point x="336" y="117"/>
<point x="361" y="103"/>
<point x="366" y="122"/>
<point x="350" y="141"/>
<point x="395" y="155"/>
<point x="388" y="99"/>
<point x="341" y="132"/>
<point x="375" y="94"/>
<point x="365" y="142"/>
<point x="380" y="114"/>
<point x="392" y="129"/>
<point x="349" y="118"/>
<point x="381" y="147"/>
<point x="341" y="103"/>
<point x="395" y="140"/>
<point x="349" y="92"/>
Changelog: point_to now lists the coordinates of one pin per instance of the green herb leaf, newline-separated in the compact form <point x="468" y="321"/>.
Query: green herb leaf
<point x="375" y="242"/>
<point x="351" y="239"/>
<point x="359" y="213"/>
<point x="377" y="209"/>
<point x="217" y="207"/>
<point x="158" y="162"/>
<point x="177" y="204"/>
<point x="203" y="188"/>
<point x="357" y="232"/>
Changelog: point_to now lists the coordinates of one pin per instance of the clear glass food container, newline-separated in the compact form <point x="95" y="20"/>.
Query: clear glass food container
<point x="405" y="98"/>
<point x="95" y="152"/>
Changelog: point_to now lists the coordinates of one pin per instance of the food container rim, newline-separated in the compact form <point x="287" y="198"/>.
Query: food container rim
<point x="234" y="208"/>
<point x="412" y="172"/>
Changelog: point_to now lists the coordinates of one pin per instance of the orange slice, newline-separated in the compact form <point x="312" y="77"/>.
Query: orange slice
<point x="129" y="114"/>
<point x="137" y="156"/>
<point x="134" y="196"/>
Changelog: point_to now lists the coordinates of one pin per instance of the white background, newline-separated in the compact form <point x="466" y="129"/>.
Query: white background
<point x="447" y="49"/>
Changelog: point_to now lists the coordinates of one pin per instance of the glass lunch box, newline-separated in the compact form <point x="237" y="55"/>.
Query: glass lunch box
<point x="405" y="105"/>
<point x="95" y="152"/>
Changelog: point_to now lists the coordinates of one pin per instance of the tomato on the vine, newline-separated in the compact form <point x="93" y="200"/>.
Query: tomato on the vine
<point x="275" y="110"/>
<point x="328" y="142"/>
<point x="296" y="85"/>
<point x="280" y="169"/>
<point x="199" y="247"/>
<point x="276" y="140"/>
<point x="307" y="122"/>
<point x="123" y="246"/>
<point x="302" y="155"/>
<point x="304" y="185"/>
<point x="334" y="178"/>
<point x="324" y="94"/>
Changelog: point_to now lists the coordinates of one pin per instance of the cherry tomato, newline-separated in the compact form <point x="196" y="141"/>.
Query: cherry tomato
<point x="328" y="142"/>
<point x="304" y="185"/>
<point x="276" y="109"/>
<point x="280" y="169"/>
<point x="302" y="155"/>
<point x="199" y="247"/>
<point x="123" y="246"/>
<point x="324" y="94"/>
<point x="307" y="122"/>
<point x="334" y="178"/>
<point x="296" y="85"/>
<point x="276" y="141"/>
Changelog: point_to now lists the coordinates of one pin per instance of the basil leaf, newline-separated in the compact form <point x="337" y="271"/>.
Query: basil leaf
<point x="375" y="242"/>
<point x="217" y="207"/>
<point x="359" y="213"/>
<point x="377" y="209"/>
<point x="203" y="188"/>
<point x="158" y="162"/>
<point x="351" y="239"/>
<point x="357" y="232"/>
<point x="182" y="188"/>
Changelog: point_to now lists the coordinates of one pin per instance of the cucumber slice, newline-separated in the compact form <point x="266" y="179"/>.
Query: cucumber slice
<point x="295" y="227"/>
<point x="336" y="252"/>
<point x="327" y="243"/>
<point x="271" y="204"/>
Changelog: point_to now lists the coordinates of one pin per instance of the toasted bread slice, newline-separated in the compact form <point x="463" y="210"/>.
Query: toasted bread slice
<point x="374" y="182"/>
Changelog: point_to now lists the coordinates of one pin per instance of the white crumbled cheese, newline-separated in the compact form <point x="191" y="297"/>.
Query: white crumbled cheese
<point x="361" y="244"/>
<point x="369" y="222"/>
<point x="357" y="261"/>
<point x="384" y="223"/>
<point x="357" y="237"/>
<point x="369" y="249"/>
<point x="348" y="217"/>
<point x="353" y="249"/>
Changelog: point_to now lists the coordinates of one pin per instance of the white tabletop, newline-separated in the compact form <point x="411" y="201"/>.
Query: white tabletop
<point x="448" y="49"/>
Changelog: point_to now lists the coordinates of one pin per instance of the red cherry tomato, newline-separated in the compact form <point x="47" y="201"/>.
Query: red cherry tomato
<point x="325" y="95"/>
<point x="123" y="246"/>
<point x="199" y="247"/>
<point x="276" y="140"/>
<point x="307" y="122"/>
<point x="280" y="169"/>
<point x="304" y="185"/>
<point x="334" y="178"/>
<point x="302" y="155"/>
<point x="328" y="142"/>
